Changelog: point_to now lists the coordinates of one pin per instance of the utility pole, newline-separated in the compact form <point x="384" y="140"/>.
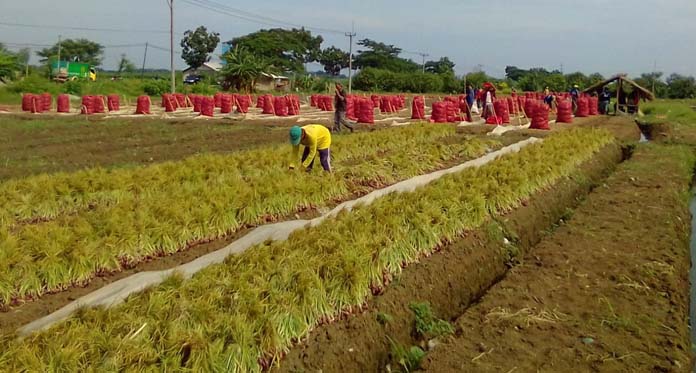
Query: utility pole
<point x="350" y="36"/>
<point x="142" y="72"/>
<point x="423" y="55"/>
<point x="59" y="45"/>
<point x="654" y="76"/>
<point x="171" y="43"/>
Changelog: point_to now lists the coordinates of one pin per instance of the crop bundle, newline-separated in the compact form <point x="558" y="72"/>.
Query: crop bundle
<point x="64" y="229"/>
<point x="245" y="313"/>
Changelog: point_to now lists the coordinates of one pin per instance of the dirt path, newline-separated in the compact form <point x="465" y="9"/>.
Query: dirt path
<point x="608" y="291"/>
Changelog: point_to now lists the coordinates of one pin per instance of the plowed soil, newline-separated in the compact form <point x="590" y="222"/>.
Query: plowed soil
<point x="608" y="291"/>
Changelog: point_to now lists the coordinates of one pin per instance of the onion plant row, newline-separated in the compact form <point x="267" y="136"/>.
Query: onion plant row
<point x="246" y="313"/>
<point x="144" y="213"/>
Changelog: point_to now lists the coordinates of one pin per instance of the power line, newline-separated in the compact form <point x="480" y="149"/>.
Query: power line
<point x="252" y="17"/>
<point x="27" y="25"/>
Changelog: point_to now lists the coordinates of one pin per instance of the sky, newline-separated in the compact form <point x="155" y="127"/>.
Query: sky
<point x="586" y="35"/>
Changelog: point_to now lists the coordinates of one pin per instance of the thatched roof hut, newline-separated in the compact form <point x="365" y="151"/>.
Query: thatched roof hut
<point x="629" y="102"/>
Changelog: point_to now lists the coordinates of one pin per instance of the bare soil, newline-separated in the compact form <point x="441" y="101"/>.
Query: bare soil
<point x="608" y="291"/>
<point x="450" y="280"/>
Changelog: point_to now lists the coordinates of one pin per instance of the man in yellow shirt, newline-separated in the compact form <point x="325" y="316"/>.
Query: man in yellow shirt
<point x="315" y="138"/>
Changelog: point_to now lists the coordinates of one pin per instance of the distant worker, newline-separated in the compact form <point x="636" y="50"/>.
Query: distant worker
<point x="315" y="138"/>
<point x="470" y="95"/>
<point x="549" y="99"/>
<point x="489" y="96"/>
<point x="574" y="96"/>
<point x="340" y="101"/>
<point x="604" y="99"/>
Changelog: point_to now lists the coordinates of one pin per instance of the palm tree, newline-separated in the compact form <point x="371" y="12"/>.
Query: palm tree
<point x="243" y="69"/>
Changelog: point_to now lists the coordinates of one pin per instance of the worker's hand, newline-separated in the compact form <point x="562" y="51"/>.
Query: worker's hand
<point x="291" y="168"/>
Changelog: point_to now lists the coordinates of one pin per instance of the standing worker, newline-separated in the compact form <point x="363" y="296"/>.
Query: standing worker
<point x="604" y="99"/>
<point x="574" y="96"/>
<point x="315" y="138"/>
<point x="470" y="95"/>
<point x="341" y="106"/>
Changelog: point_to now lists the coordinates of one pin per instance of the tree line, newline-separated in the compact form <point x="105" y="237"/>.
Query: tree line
<point x="379" y="66"/>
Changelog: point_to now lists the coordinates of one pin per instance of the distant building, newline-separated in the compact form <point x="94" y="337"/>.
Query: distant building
<point x="271" y="82"/>
<point x="208" y="68"/>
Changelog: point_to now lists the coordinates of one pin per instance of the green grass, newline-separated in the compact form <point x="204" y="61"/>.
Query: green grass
<point x="252" y="307"/>
<point x="670" y="111"/>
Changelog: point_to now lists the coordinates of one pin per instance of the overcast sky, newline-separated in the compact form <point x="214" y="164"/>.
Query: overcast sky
<point x="587" y="35"/>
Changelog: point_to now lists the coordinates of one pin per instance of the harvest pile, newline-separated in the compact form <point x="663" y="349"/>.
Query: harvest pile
<point x="244" y="314"/>
<point x="63" y="229"/>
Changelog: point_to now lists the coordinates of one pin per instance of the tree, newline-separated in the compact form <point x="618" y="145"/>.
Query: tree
<point x="680" y="86"/>
<point x="334" y="60"/>
<point x="9" y="64"/>
<point x="577" y="78"/>
<point x="383" y="56"/>
<point x="477" y="78"/>
<point x="287" y="50"/>
<point x="125" y="65"/>
<point x="197" y="45"/>
<point x="81" y="50"/>
<point x="653" y="81"/>
<point x="442" y="66"/>
<point x="243" y="68"/>
<point x="514" y="73"/>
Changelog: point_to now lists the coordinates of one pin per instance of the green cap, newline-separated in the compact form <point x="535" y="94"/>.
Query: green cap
<point x="295" y="135"/>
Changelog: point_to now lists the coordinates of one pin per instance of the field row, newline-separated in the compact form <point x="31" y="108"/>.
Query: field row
<point x="247" y="312"/>
<point x="63" y="229"/>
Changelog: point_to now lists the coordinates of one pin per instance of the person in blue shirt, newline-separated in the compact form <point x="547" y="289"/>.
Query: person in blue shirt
<point x="470" y="95"/>
<point x="604" y="99"/>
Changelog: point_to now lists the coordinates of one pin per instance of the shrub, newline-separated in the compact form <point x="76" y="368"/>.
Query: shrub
<point x="155" y="87"/>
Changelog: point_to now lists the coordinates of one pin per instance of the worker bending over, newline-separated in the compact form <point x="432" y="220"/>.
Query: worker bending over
<point x="315" y="138"/>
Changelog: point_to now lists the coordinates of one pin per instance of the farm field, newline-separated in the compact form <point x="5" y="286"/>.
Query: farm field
<point x="341" y="280"/>
<point x="68" y="224"/>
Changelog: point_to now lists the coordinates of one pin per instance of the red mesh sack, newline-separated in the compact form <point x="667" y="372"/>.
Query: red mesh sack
<point x="350" y="107"/>
<point x="169" y="102"/>
<point x="260" y="102"/>
<point x="63" y="103"/>
<point x="439" y="114"/>
<point x="280" y="106"/>
<point x="502" y="111"/>
<point x="87" y="105"/>
<point x="540" y="119"/>
<point x="328" y="103"/>
<point x="512" y="108"/>
<point x="565" y="111"/>
<point x="225" y="103"/>
<point x="593" y="105"/>
<point x="143" y="105"/>
<point x="418" y="108"/>
<point x="243" y="103"/>
<point x="293" y="105"/>
<point x="98" y="105"/>
<point x="583" y="108"/>
<point x="27" y="101"/>
<point x="36" y="104"/>
<point x="180" y="100"/>
<point x="313" y="102"/>
<point x="366" y="110"/>
<point x="207" y="106"/>
<point x="268" y="103"/>
<point x="218" y="99"/>
<point x="46" y="101"/>
<point x="113" y="102"/>
<point x="375" y="100"/>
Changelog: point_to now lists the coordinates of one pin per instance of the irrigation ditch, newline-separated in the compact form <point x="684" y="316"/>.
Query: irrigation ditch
<point x="449" y="281"/>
